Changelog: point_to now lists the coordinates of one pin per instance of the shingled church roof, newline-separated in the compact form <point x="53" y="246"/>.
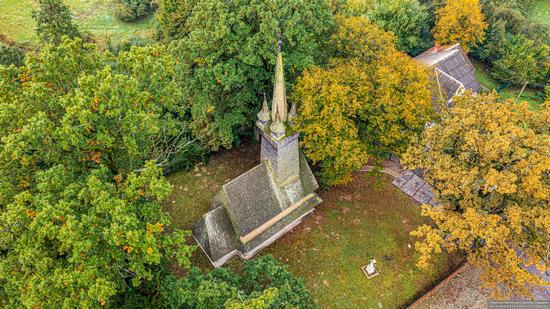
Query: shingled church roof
<point x="453" y="70"/>
<point x="259" y="206"/>
<point x="252" y="211"/>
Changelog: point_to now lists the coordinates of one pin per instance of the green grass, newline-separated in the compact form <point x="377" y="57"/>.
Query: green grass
<point x="541" y="12"/>
<point x="366" y="218"/>
<point x="532" y="96"/>
<point x="94" y="16"/>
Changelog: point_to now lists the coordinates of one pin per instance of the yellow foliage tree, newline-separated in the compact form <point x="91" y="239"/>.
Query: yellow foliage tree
<point x="460" y="21"/>
<point x="369" y="101"/>
<point x="489" y="165"/>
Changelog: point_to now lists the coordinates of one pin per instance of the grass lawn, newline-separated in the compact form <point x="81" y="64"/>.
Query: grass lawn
<point x="367" y="218"/>
<point x="541" y="11"/>
<point x="532" y="96"/>
<point x="95" y="16"/>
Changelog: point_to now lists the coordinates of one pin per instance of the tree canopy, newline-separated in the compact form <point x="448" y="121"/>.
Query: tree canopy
<point x="53" y="21"/>
<point x="228" y="56"/>
<point x="519" y="61"/>
<point x="263" y="283"/>
<point x="81" y="188"/>
<point x="369" y="102"/>
<point x="408" y="20"/>
<point x="515" y="46"/>
<point x="460" y="21"/>
<point x="489" y="166"/>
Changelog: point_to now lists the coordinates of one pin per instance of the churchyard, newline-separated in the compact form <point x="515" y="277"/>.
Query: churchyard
<point x="368" y="218"/>
<point x="392" y="153"/>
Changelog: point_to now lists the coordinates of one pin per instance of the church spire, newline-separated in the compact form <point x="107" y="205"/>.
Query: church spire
<point x="279" y="112"/>
<point x="263" y="115"/>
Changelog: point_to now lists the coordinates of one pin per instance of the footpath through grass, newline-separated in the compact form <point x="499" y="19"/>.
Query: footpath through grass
<point x="94" y="16"/>
<point x="368" y="218"/>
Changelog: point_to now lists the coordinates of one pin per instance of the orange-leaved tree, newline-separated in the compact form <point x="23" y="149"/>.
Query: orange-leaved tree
<point x="489" y="165"/>
<point x="460" y="21"/>
<point x="370" y="101"/>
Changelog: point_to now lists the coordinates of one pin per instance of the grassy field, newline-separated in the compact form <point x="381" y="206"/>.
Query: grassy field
<point x="367" y="218"/>
<point x="94" y="16"/>
<point x="541" y="11"/>
<point x="532" y="96"/>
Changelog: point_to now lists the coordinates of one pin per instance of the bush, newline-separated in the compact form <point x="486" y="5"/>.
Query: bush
<point x="130" y="10"/>
<point x="11" y="54"/>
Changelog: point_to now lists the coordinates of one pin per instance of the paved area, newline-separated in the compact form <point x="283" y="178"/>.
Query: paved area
<point x="414" y="186"/>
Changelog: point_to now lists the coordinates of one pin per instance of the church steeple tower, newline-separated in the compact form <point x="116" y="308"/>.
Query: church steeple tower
<point x="279" y="109"/>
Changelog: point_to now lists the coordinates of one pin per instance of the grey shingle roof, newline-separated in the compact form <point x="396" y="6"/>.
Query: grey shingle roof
<point x="452" y="61"/>
<point x="252" y="211"/>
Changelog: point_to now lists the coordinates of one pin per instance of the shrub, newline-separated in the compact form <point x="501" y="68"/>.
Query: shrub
<point x="130" y="10"/>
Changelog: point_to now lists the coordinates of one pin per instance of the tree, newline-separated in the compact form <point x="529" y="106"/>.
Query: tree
<point x="408" y="20"/>
<point x="53" y="21"/>
<point x="130" y="10"/>
<point x="488" y="164"/>
<point x="510" y="29"/>
<point x="368" y="103"/>
<point x="83" y="135"/>
<point x="264" y="283"/>
<point x="519" y="61"/>
<point x="11" y="54"/>
<point x="460" y="21"/>
<point x="172" y="18"/>
<point x="229" y="54"/>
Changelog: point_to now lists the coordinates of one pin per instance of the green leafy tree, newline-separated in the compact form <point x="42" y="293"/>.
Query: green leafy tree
<point x="488" y="164"/>
<point x="519" y="61"/>
<point x="408" y="20"/>
<point x="53" y="21"/>
<point x="83" y="139"/>
<point x="368" y="103"/>
<point x="11" y="54"/>
<point x="228" y="58"/>
<point x="130" y="10"/>
<point x="172" y="18"/>
<point x="264" y="283"/>
<point x="510" y="28"/>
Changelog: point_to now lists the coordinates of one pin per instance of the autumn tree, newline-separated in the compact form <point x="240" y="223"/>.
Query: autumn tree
<point x="227" y="58"/>
<point x="460" y="21"/>
<point x="408" y="20"/>
<point x="53" y="21"/>
<point x="368" y="102"/>
<point x="489" y="166"/>
<point x="82" y="142"/>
